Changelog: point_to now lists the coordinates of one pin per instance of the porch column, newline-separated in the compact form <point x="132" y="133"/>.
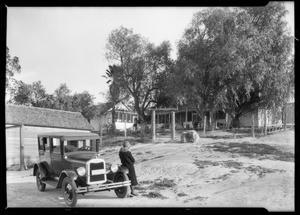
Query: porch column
<point x="186" y="116"/>
<point x="153" y="125"/>
<point x="265" y="121"/>
<point x="173" y="126"/>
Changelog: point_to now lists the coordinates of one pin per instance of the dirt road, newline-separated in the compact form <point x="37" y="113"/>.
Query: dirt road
<point x="243" y="172"/>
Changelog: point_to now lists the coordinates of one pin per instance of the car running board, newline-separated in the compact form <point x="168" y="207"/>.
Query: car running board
<point x="52" y="181"/>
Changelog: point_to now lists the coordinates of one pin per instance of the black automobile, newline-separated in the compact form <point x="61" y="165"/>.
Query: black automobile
<point x="71" y="161"/>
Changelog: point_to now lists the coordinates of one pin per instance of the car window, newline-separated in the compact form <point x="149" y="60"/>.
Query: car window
<point x="44" y="144"/>
<point x="71" y="146"/>
<point x="55" y="145"/>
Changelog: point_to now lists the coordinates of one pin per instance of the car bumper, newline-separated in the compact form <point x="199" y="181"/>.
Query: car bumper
<point x="99" y="187"/>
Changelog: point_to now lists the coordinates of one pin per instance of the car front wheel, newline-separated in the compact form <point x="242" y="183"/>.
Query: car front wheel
<point x="69" y="191"/>
<point x="122" y="192"/>
<point x="40" y="185"/>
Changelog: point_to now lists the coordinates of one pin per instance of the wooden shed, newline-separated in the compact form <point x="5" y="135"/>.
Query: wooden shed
<point x="23" y="123"/>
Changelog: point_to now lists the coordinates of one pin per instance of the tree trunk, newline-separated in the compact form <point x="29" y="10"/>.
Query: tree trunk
<point x="113" y="119"/>
<point x="235" y="122"/>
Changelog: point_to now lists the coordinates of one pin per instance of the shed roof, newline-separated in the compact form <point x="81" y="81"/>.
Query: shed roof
<point x="44" y="117"/>
<point x="70" y="135"/>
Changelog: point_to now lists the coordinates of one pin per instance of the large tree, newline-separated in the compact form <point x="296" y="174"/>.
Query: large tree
<point x="30" y="94"/>
<point x="83" y="103"/>
<point x="266" y="50"/>
<point x="235" y="59"/>
<point x="12" y="67"/>
<point x="141" y="65"/>
<point x="115" y="94"/>
<point x="63" y="97"/>
<point x="205" y="60"/>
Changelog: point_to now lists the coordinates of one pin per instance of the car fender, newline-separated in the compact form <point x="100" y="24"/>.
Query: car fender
<point x="123" y="169"/>
<point x="66" y="173"/>
<point x="42" y="167"/>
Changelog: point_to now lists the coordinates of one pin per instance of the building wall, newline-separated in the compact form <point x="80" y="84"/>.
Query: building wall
<point x="120" y="120"/>
<point x="30" y="143"/>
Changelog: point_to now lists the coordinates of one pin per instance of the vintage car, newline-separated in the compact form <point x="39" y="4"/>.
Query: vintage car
<point x="71" y="161"/>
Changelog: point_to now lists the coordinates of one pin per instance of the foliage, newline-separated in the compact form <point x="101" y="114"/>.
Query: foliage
<point x="141" y="66"/>
<point x="12" y="67"/>
<point x="115" y="93"/>
<point x="63" y="98"/>
<point x="35" y="95"/>
<point x="31" y="94"/>
<point x="237" y="60"/>
<point x="83" y="103"/>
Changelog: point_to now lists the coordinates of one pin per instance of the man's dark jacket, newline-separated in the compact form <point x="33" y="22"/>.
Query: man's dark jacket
<point x="128" y="160"/>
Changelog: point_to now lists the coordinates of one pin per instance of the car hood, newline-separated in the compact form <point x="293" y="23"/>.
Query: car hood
<point x="82" y="156"/>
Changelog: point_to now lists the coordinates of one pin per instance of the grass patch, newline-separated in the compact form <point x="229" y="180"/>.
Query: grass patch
<point x="232" y="164"/>
<point x="222" y="177"/>
<point x="154" y="194"/>
<point x="181" y="194"/>
<point x="262" y="171"/>
<point x="254" y="150"/>
<point x="203" y="163"/>
<point x="164" y="183"/>
<point x="158" y="157"/>
<point x="227" y="164"/>
<point x="201" y="198"/>
<point x="146" y="182"/>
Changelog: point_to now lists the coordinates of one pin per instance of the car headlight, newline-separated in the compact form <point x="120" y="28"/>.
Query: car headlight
<point x="114" y="168"/>
<point x="81" y="171"/>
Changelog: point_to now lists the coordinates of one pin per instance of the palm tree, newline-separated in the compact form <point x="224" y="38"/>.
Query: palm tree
<point x="114" y="92"/>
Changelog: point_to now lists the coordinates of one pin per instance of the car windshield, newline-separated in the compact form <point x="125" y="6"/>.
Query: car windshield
<point x="80" y="145"/>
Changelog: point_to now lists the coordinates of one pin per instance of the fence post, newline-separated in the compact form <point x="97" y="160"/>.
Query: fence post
<point x="253" y="126"/>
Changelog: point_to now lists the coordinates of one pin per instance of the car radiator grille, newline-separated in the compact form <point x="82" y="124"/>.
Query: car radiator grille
<point x="95" y="167"/>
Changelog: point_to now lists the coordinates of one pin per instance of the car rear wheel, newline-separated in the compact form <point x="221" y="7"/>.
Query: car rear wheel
<point x="40" y="185"/>
<point x="69" y="191"/>
<point x="122" y="192"/>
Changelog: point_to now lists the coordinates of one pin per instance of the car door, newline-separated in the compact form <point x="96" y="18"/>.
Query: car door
<point x="44" y="155"/>
<point x="56" y="156"/>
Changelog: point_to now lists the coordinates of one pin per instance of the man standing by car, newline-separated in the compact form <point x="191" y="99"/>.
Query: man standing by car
<point x="128" y="160"/>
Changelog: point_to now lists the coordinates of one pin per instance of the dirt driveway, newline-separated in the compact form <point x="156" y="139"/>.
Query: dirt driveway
<point x="215" y="172"/>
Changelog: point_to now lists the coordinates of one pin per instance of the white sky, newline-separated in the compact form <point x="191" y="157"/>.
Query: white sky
<point x="67" y="45"/>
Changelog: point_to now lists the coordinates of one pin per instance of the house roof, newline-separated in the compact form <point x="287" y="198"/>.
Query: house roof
<point x="122" y="107"/>
<point x="34" y="116"/>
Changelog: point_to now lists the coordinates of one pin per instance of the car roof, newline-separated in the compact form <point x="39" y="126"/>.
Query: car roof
<point x="70" y="135"/>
